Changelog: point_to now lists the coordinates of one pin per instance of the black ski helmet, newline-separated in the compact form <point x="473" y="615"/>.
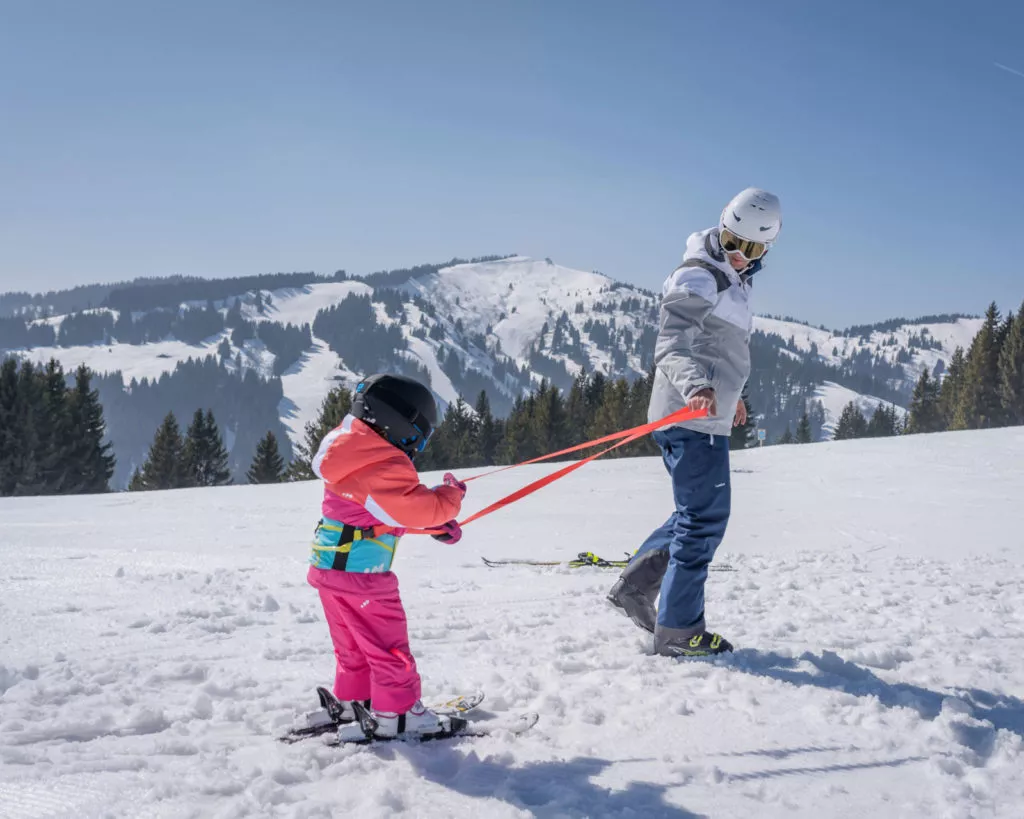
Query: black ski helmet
<point x="401" y="408"/>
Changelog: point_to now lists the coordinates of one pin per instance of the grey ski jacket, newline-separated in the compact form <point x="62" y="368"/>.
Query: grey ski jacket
<point x="704" y="335"/>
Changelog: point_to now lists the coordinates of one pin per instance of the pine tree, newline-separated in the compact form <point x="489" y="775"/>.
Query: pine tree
<point x="577" y="408"/>
<point x="803" y="430"/>
<point x="517" y="445"/>
<point x="639" y="403"/>
<point x="453" y="444"/>
<point x="884" y="422"/>
<point x="205" y="460"/>
<point x="612" y="414"/>
<point x="787" y="436"/>
<point x="852" y="423"/>
<point x="10" y="432"/>
<point x="488" y="430"/>
<point x="925" y="410"/>
<point x="165" y="466"/>
<point x="980" y="405"/>
<point x="952" y="388"/>
<point x="1011" y="371"/>
<point x="92" y="458"/>
<point x="30" y="446"/>
<point x="332" y="411"/>
<point x="57" y="438"/>
<point x="549" y="425"/>
<point x="267" y="465"/>
<point x="742" y="436"/>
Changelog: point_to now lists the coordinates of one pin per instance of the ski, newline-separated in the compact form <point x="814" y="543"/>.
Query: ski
<point x="459" y="727"/>
<point x="332" y="715"/>
<point x="582" y="560"/>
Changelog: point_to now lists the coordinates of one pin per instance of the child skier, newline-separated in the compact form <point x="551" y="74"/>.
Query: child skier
<point x="372" y="494"/>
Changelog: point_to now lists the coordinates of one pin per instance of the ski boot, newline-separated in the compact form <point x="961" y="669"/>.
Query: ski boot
<point x="418" y="722"/>
<point x="332" y="711"/>
<point x="634" y="603"/>
<point x="701" y="644"/>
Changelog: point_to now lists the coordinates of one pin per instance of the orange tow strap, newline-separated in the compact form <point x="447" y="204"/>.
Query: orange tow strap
<point x="622" y="438"/>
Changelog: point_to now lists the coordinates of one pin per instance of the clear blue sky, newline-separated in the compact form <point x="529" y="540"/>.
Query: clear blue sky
<point x="226" y="138"/>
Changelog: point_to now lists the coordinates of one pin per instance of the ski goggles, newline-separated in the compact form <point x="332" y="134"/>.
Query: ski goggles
<point x="416" y="442"/>
<point x="731" y="243"/>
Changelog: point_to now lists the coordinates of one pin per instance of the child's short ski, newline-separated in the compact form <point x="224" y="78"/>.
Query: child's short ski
<point x="460" y="727"/>
<point x="334" y="714"/>
<point x="582" y="559"/>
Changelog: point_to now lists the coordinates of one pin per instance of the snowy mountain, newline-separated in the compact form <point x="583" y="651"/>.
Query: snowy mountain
<point x="498" y="325"/>
<point x="879" y="671"/>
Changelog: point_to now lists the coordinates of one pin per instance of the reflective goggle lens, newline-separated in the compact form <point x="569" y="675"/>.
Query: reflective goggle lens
<point x="731" y="243"/>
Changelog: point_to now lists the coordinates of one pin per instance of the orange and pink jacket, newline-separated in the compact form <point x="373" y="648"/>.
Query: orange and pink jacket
<point x="369" y="482"/>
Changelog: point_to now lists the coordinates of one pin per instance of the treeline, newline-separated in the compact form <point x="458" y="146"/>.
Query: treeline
<point x="982" y="388"/>
<point x="17" y="334"/>
<point x="198" y="458"/>
<point x="400" y="276"/>
<point x="58" y="302"/>
<point x="286" y="341"/>
<point x="865" y="331"/>
<point x="145" y="294"/>
<point x="885" y="422"/>
<point x="192" y="326"/>
<point x="351" y="330"/>
<point x="52" y="434"/>
<point x="545" y="421"/>
<point x="245" y="405"/>
<point x="784" y="382"/>
<point x="172" y="293"/>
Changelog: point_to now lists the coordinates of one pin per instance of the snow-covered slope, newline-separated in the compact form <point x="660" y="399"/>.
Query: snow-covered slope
<point x="835" y="348"/>
<point x="515" y="296"/>
<point x="834" y="399"/>
<point x="877" y="607"/>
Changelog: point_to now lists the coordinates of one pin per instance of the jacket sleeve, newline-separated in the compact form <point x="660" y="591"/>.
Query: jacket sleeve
<point x="397" y="497"/>
<point x="689" y="297"/>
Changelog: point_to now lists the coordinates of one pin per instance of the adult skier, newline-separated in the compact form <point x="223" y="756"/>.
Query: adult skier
<point x="702" y="359"/>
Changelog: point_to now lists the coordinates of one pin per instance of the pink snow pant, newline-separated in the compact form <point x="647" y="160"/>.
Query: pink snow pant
<point x="371" y="638"/>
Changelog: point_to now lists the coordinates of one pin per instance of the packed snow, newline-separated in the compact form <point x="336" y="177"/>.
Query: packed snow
<point x="153" y="645"/>
<point x="305" y="384"/>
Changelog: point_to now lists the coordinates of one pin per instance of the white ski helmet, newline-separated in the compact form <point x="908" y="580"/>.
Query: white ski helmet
<point x="754" y="215"/>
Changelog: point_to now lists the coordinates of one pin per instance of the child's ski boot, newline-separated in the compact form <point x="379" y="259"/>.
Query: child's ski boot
<point x="419" y="722"/>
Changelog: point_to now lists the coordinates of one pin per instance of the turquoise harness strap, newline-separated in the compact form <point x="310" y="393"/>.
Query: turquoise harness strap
<point x="342" y="547"/>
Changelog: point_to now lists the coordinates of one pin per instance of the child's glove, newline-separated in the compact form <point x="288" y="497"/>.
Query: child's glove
<point x="450" y="533"/>
<point x="452" y="481"/>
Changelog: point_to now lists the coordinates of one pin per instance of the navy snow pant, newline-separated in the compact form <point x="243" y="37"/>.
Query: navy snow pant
<point x="675" y="557"/>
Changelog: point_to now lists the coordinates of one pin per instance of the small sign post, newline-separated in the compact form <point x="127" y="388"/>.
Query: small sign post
<point x="760" y="437"/>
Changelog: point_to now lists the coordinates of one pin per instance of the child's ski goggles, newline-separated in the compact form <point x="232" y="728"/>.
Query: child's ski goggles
<point x="731" y="243"/>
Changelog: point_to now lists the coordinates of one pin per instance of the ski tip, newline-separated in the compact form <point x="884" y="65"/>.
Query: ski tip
<point x="458" y="703"/>
<point x="527" y="721"/>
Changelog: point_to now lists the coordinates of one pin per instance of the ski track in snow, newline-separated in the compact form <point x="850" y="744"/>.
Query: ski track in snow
<point x="153" y="645"/>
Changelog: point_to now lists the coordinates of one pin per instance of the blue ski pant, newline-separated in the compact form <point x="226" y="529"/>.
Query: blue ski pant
<point x="675" y="557"/>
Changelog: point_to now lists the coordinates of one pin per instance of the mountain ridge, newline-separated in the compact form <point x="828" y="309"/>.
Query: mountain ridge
<point x="499" y="324"/>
